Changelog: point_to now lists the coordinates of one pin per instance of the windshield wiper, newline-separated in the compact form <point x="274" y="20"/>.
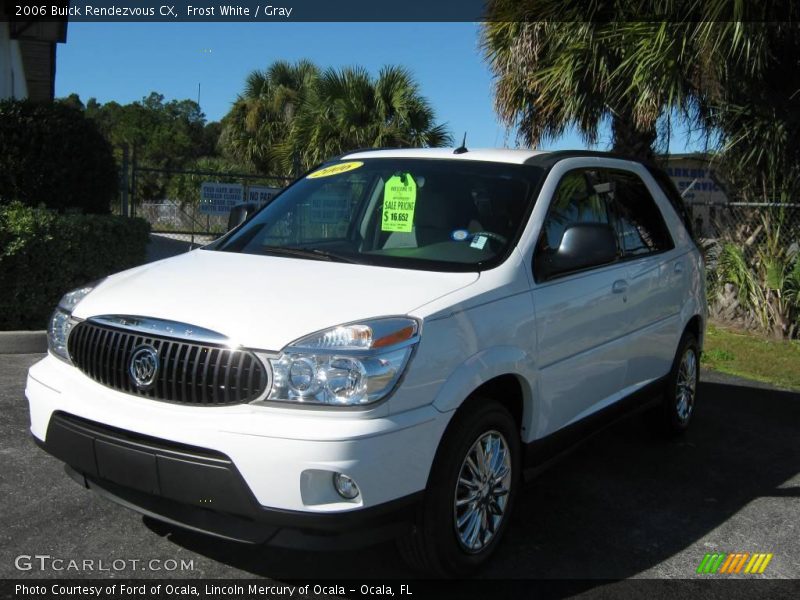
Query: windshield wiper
<point x="335" y="256"/>
<point x="314" y="253"/>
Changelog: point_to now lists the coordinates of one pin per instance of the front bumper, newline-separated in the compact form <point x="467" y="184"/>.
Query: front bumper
<point x="264" y="466"/>
<point x="202" y="490"/>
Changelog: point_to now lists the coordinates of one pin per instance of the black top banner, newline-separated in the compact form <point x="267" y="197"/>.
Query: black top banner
<point x="261" y="11"/>
<point x="254" y="11"/>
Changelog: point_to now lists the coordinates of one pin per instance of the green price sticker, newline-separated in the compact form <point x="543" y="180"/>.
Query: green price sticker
<point x="399" y="199"/>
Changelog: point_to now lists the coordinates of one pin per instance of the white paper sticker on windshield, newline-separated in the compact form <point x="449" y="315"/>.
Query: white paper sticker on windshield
<point x="478" y="242"/>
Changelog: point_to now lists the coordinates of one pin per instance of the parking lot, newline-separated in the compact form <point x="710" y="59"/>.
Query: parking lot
<point x="623" y="505"/>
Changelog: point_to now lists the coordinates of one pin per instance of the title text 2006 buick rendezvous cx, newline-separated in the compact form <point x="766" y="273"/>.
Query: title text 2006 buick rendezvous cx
<point x="381" y="351"/>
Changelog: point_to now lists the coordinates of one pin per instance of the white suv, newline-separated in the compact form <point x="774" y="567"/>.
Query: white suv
<point x="382" y="351"/>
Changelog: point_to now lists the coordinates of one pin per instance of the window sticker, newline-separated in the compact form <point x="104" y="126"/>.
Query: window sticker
<point x="335" y="169"/>
<point x="459" y="235"/>
<point x="479" y="242"/>
<point x="399" y="200"/>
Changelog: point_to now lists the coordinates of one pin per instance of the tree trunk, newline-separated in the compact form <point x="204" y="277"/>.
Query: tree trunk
<point x="631" y="141"/>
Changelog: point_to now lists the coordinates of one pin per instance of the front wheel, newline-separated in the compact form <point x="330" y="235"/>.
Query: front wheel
<point x="471" y="492"/>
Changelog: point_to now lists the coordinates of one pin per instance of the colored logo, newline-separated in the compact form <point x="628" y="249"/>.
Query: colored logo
<point x="143" y="367"/>
<point x="736" y="562"/>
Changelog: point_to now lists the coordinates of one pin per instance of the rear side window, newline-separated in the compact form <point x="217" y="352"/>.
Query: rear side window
<point x="637" y="219"/>
<point x="574" y="202"/>
<point x="671" y="192"/>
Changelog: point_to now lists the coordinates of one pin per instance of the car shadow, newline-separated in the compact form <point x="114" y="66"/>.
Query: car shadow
<point x="622" y="503"/>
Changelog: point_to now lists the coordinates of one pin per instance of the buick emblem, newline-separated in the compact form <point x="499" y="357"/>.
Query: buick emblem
<point x="143" y="367"/>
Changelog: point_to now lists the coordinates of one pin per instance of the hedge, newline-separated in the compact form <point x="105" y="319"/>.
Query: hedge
<point x="44" y="254"/>
<point x="52" y="153"/>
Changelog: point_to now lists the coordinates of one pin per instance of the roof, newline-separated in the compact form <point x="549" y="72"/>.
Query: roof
<point x="504" y="155"/>
<point x="540" y="158"/>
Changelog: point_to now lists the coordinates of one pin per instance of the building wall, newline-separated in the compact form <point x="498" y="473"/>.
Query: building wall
<point x="12" y="73"/>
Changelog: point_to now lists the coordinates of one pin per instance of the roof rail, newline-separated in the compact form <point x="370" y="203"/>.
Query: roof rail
<point x="551" y="157"/>
<point x="365" y="149"/>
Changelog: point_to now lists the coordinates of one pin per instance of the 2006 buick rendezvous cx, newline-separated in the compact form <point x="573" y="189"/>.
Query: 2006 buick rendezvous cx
<point x="381" y="351"/>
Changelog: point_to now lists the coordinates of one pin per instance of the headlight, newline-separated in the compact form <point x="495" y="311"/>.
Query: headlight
<point x="61" y="322"/>
<point x="349" y="365"/>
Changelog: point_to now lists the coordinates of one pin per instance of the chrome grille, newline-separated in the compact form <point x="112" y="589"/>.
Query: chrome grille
<point x="189" y="372"/>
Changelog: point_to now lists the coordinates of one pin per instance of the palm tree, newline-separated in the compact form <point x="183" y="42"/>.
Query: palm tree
<point x="262" y="115"/>
<point x="292" y="116"/>
<point x="729" y="68"/>
<point x="759" y="121"/>
<point x="566" y="69"/>
<point x="349" y="109"/>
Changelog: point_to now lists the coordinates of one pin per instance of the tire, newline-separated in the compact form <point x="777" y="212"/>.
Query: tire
<point x="680" y="392"/>
<point x="436" y="545"/>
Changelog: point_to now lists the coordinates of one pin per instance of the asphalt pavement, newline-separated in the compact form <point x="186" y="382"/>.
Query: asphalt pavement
<point x="623" y="505"/>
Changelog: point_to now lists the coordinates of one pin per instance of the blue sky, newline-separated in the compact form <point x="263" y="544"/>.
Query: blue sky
<point x="126" y="61"/>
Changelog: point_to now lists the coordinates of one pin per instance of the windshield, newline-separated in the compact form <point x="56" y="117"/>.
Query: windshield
<point x="431" y="214"/>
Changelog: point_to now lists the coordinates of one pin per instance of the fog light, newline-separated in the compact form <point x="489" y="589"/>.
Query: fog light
<point x="345" y="486"/>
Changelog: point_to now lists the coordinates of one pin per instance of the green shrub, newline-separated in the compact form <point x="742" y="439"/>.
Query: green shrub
<point x="51" y="153"/>
<point x="44" y="254"/>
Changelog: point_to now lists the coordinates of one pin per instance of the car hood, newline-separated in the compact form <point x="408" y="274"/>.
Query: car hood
<point x="265" y="302"/>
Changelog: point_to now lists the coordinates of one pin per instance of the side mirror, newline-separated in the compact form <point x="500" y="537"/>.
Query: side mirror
<point x="240" y="213"/>
<point x="583" y="245"/>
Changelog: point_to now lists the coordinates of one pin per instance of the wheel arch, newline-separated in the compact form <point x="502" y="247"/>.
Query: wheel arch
<point x="696" y="326"/>
<point x="498" y="373"/>
<point x="508" y="389"/>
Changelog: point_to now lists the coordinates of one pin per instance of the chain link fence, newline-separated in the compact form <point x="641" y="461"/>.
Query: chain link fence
<point x="182" y="221"/>
<point x="177" y="229"/>
<point x="730" y="220"/>
<point x="188" y="218"/>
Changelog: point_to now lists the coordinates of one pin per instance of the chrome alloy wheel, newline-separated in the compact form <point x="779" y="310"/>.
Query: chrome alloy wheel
<point x="686" y="384"/>
<point x="481" y="494"/>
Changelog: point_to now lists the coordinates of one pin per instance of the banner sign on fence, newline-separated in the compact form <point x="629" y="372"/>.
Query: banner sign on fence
<point x="261" y="195"/>
<point x="219" y="198"/>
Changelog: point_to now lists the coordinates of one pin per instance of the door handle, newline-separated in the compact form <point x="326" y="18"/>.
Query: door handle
<point x="678" y="268"/>
<point x="620" y="286"/>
